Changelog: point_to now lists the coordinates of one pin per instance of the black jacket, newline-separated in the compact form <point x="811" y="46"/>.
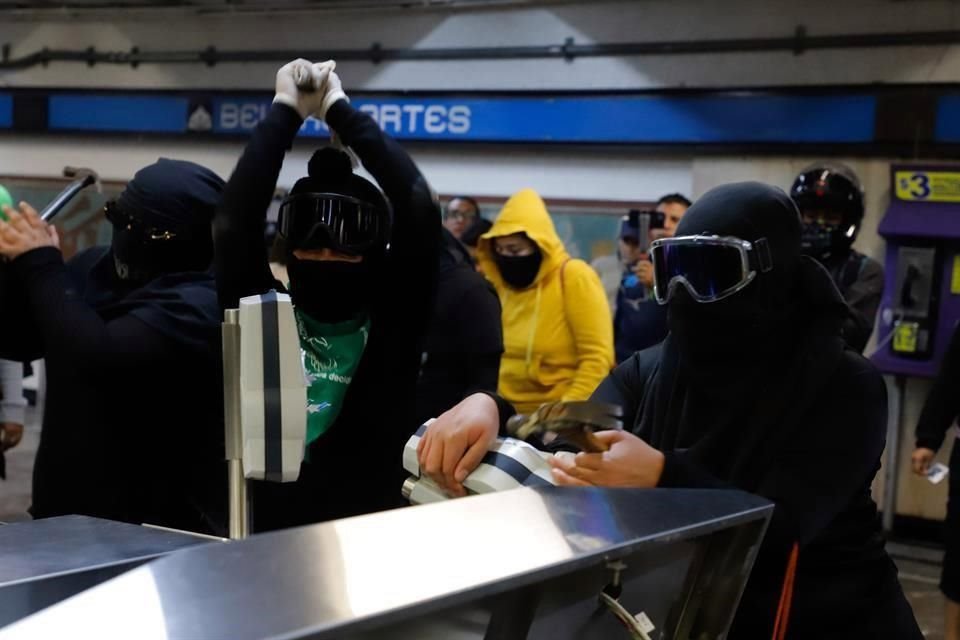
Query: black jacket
<point x="462" y="351"/>
<point x="356" y="466"/>
<point x="942" y="407"/>
<point x="133" y="422"/>
<point x="860" y="280"/>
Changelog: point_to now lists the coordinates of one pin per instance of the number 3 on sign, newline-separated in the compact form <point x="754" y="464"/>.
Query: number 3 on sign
<point x="920" y="183"/>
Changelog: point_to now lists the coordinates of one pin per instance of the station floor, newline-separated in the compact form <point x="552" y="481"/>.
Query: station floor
<point x="919" y="567"/>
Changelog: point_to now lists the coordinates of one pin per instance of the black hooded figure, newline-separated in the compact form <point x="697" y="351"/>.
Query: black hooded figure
<point x="758" y="391"/>
<point x="373" y="298"/>
<point x="133" y="422"/>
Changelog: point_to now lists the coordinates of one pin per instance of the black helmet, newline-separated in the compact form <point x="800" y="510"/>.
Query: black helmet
<point x="834" y="188"/>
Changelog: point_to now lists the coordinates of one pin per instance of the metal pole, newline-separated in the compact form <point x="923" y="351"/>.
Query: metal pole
<point x="890" y="469"/>
<point x="238" y="506"/>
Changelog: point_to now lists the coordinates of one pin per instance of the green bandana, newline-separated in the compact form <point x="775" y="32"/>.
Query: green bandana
<point x="331" y="353"/>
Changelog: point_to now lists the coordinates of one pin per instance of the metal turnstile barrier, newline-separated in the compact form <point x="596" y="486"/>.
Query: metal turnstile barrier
<point x="528" y="563"/>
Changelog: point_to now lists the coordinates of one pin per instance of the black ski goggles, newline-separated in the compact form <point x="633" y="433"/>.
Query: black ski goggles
<point x="711" y="268"/>
<point x="332" y="221"/>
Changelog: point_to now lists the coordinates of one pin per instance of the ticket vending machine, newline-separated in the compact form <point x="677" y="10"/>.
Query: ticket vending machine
<point x="921" y="298"/>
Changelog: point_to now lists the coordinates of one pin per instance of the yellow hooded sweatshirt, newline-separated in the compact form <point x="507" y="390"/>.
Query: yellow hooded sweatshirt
<point x="557" y="333"/>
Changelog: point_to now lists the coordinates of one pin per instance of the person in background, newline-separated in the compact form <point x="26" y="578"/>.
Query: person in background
<point x="752" y="380"/>
<point x="464" y="343"/>
<point x="12" y="408"/>
<point x="939" y="414"/>
<point x="362" y="267"/>
<point x="557" y="332"/>
<point x="830" y="200"/>
<point x="130" y="334"/>
<point x="471" y="237"/>
<point x="639" y="322"/>
<point x="460" y="214"/>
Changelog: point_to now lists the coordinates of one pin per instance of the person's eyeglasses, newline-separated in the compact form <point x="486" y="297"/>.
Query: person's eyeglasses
<point x="459" y="215"/>
<point x="512" y="250"/>
<point x="120" y="218"/>
<point x="711" y="268"/>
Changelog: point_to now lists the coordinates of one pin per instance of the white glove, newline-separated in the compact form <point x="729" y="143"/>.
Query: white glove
<point x="334" y="92"/>
<point x="302" y="85"/>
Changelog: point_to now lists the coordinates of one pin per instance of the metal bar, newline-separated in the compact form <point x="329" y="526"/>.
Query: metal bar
<point x="238" y="504"/>
<point x="892" y="463"/>
<point x="798" y="43"/>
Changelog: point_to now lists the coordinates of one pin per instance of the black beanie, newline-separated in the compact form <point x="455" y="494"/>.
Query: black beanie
<point x="330" y="171"/>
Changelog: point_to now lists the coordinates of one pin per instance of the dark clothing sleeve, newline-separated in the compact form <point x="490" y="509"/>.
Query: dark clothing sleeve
<point x="479" y="314"/>
<point x="415" y="234"/>
<point x="942" y="406"/>
<point x="241" y="263"/>
<point x="863" y="298"/>
<point x="19" y="338"/>
<point x="73" y="333"/>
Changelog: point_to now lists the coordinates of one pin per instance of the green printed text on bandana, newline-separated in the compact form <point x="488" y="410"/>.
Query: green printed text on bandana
<point x="331" y="353"/>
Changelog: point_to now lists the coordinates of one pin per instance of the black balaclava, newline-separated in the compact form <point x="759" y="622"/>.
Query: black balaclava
<point x="737" y="331"/>
<point x="331" y="291"/>
<point x="172" y="197"/>
<point x="519" y="271"/>
<point x="735" y="378"/>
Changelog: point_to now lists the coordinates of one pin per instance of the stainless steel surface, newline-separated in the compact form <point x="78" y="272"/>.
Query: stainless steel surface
<point x="513" y="564"/>
<point x="238" y="500"/>
<point x="45" y="561"/>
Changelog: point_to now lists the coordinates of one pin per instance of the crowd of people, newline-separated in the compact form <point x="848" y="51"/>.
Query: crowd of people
<point x="734" y="349"/>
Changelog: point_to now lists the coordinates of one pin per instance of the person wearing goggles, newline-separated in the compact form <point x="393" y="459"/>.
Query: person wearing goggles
<point x="362" y="267"/>
<point x="755" y="389"/>
<point x="130" y="334"/>
<point x="831" y="204"/>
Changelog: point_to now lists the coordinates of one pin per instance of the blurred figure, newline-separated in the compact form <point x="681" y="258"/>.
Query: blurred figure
<point x="939" y="414"/>
<point x="639" y="322"/>
<point x="471" y="237"/>
<point x="464" y="343"/>
<point x="12" y="408"/>
<point x="362" y="267"/>
<point x="557" y="332"/>
<point x="130" y="334"/>
<point x="830" y="200"/>
<point x="460" y="214"/>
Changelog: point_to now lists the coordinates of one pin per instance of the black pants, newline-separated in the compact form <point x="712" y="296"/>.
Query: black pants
<point x="950" y="579"/>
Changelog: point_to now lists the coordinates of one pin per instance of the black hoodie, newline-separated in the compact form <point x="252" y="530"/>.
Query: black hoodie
<point x="465" y="340"/>
<point x="759" y="392"/>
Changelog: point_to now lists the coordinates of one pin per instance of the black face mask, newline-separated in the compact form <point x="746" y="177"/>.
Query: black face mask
<point x="139" y="258"/>
<point x="519" y="271"/>
<point x="823" y="241"/>
<point x="331" y="291"/>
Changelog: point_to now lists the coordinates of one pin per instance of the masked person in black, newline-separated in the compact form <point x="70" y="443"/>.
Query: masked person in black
<point x="362" y="267"/>
<point x="830" y="200"/>
<point x="754" y="388"/>
<point x="133" y="423"/>
<point x="463" y="347"/>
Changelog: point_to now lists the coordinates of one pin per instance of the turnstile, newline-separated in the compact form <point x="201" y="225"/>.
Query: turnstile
<point x="528" y="563"/>
<point x="45" y="561"/>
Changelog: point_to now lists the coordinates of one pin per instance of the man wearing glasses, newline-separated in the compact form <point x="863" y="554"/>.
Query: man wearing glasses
<point x="460" y="214"/>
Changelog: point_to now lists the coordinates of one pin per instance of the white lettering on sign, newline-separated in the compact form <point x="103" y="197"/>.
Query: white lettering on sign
<point x="459" y="119"/>
<point x="242" y="116"/>
<point x="414" y="111"/>
<point x="395" y="119"/>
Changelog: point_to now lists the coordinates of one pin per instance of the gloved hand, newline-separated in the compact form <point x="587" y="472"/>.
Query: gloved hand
<point x="334" y="92"/>
<point x="302" y="85"/>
